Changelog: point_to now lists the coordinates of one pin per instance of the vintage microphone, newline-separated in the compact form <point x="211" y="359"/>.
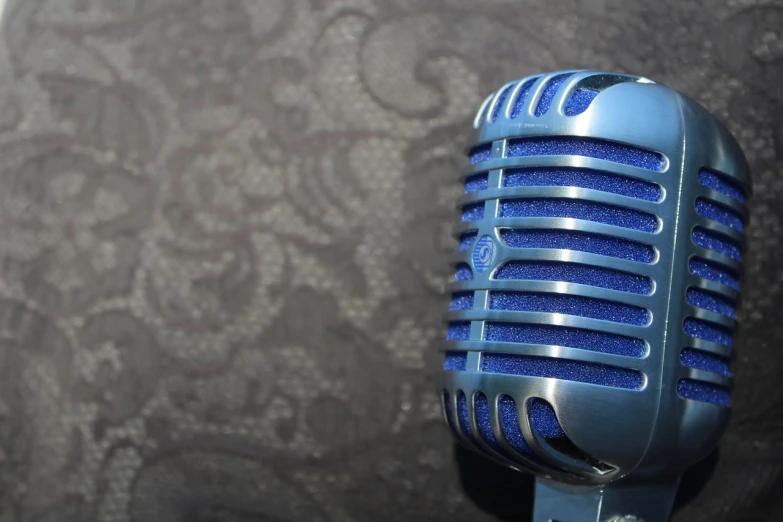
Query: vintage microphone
<point x="596" y="287"/>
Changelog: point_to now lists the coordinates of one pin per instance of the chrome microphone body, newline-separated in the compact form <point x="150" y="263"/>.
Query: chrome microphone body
<point x="595" y="292"/>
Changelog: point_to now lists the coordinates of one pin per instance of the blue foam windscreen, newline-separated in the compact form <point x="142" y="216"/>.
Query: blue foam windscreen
<point x="447" y="411"/>
<point x="483" y="422"/>
<point x="708" y="239"/>
<point x="719" y="213"/>
<point x="542" y="416"/>
<point x="570" y="305"/>
<point x="579" y="102"/>
<point x="458" y="331"/>
<point x="713" y="302"/>
<point x="501" y="100"/>
<point x="463" y="414"/>
<point x="584" y="178"/>
<point x="706" y="361"/>
<point x="721" y="184"/>
<point x="701" y="360"/>
<point x="698" y="359"/>
<point x="473" y="212"/>
<point x="466" y="239"/>
<point x="461" y="301"/>
<point x="519" y="103"/>
<point x="707" y="331"/>
<point x="455" y="361"/>
<point x="578" y="209"/>
<point x="509" y="424"/>
<point x="549" y="93"/>
<point x="714" y="272"/>
<point x="543" y="419"/>
<point x="575" y="273"/>
<point x="463" y="272"/>
<point x="589" y="147"/>
<point x="480" y="153"/>
<point x="576" y="240"/>
<point x="697" y="390"/>
<point x="475" y="183"/>
<point x="565" y="369"/>
<point x="703" y="391"/>
<point x="592" y="340"/>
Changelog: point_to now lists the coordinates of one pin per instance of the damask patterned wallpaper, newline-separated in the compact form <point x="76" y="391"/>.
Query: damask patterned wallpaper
<point x="224" y="229"/>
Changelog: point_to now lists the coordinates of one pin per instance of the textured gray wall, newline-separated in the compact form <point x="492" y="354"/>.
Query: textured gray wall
<point x="224" y="232"/>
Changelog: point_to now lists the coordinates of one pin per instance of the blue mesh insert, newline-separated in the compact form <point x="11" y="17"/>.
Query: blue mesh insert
<point x="463" y="273"/>
<point x="467" y="239"/>
<point x="706" y="361"/>
<point x="569" y="305"/>
<point x="549" y="93"/>
<point x="712" y="302"/>
<point x="461" y="301"/>
<point x="509" y="425"/>
<point x="578" y="209"/>
<point x="480" y="153"/>
<point x="575" y="273"/>
<point x="721" y="214"/>
<point x="501" y="100"/>
<point x="447" y="411"/>
<point x="564" y="336"/>
<point x="475" y="183"/>
<point x="707" y="331"/>
<point x="562" y="369"/>
<point x="463" y="415"/>
<point x="483" y="422"/>
<point x="579" y="102"/>
<point x="714" y="272"/>
<point x="458" y="331"/>
<point x="581" y="241"/>
<point x="708" y="239"/>
<point x="590" y="147"/>
<point x="722" y="184"/>
<point x="543" y="420"/>
<point x="524" y="92"/>
<point x="704" y="392"/>
<point x="455" y="361"/>
<point x="585" y="178"/>
<point x="473" y="212"/>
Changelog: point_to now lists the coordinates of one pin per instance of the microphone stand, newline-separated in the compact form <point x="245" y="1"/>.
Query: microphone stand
<point x="617" y="502"/>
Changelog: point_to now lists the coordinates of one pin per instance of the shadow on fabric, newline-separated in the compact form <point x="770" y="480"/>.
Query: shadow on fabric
<point x="500" y="491"/>
<point x="694" y="479"/>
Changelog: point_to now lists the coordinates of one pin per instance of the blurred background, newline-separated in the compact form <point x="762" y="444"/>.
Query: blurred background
<point x="224" y="231"/>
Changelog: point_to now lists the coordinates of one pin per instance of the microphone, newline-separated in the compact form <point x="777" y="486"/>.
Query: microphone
<point x="595" y="291"/>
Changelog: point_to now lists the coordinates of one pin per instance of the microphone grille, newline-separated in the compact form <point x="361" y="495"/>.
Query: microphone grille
<point x="713" y="292"/>
<point x="564" y="261"/>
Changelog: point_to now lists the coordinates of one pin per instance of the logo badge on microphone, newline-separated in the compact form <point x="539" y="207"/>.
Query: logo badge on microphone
<point x="484" y="254"/>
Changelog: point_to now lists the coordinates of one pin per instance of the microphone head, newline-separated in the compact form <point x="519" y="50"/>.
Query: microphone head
<point x="597" y="279"/>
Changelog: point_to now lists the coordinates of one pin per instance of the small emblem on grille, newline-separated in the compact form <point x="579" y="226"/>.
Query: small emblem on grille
<point x="484" y="254"/>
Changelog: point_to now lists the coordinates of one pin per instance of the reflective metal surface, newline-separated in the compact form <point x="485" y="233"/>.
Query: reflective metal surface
<point x="646" y="433"/>
<point x="623" y="502"/>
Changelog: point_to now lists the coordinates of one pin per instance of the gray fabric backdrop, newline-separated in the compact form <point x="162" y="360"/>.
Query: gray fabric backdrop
<point x="224" y="233"/>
